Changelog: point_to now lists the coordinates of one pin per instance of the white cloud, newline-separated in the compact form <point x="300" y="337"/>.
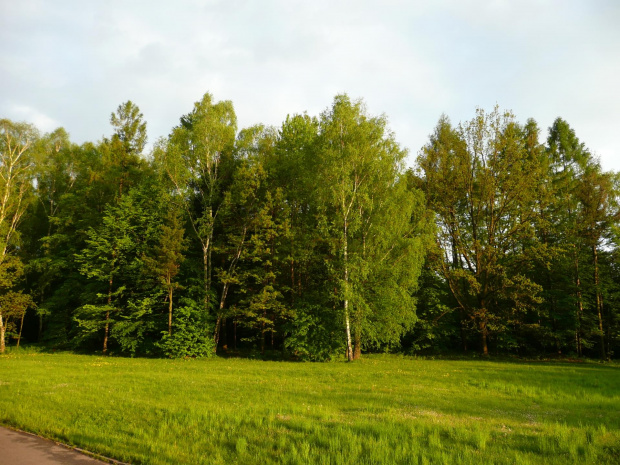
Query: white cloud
<point x="30" y="115"/>
<point x="410" y="60"/>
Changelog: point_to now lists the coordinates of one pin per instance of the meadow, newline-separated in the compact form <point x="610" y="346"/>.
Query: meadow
<point x="382" y="409"/>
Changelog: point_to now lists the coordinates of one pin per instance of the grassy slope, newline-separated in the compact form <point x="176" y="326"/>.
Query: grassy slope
<point x="380" y="410"/>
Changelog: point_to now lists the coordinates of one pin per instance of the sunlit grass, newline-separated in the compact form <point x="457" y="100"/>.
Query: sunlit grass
<point x="384" y="409"/>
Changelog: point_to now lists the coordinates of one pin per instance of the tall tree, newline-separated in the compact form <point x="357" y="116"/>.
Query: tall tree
<point x="129" y="127"/>
<point x="127" y="143"/>
<point x="255" y="217"/>
<point x="17" y="142"/>
<point x="164" y="260"/>
<point x="16" y="175"/>
<point x="196" y="158"/>
<point x="568" y="158"/>
<point x="123" y="298"/>
<point x="367" y="213"/>
<point x="484" y="221"/>
<point x="598" y="212"/>
<point x="55" y="177"/>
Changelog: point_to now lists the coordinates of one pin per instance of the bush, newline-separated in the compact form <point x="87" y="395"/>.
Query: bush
<point x="190" y="336"/>
<point x="309" y="337"/>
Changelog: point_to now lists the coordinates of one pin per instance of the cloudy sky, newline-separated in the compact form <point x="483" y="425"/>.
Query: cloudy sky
<point x="71" y="63"/>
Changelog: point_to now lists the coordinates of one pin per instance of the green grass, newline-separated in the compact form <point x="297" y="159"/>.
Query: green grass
<point x="384" y="409"/>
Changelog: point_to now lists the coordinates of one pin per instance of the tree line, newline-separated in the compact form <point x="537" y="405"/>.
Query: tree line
<point x="313" y="240"/>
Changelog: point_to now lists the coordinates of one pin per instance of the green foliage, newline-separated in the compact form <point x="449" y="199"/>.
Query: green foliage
<point x="189" y="339"/>
<point x="482" y="182"/>
<point x="313" y="335"/>
<point x="368" y="218"/>
<point x="311" y="239"/>
<point x="129" y="127"/>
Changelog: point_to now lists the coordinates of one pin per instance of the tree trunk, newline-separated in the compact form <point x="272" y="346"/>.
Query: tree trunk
<point x="106" y="332"/>
<point x="346" y="296"/>
<point x="170" y="291"/>
<point x="554" y="326"/>
<point x="272" y="335"/>
<point x="207" y="281"/>
<point x="2" y="330"/>
<point x="348" y="332"/>
<point x="107" y="320"/>
<point x="357" y="350"/>
<point x="262" y="337"/>
<point x="579" y="307"/>
<point x="484" y="332"/>
<point x="599" y="303"/>
<point x="21" y="326"/>
<point x="216" y="335"/>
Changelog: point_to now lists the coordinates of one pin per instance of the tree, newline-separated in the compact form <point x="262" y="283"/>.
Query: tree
<point x="107" y="252"/>
<point x="17" y="141"/>
<point x="481" y="180"/>
<point x="16" y="175"/>
<point x="113" y="259"/>
<point x="313" y="329"/>
<point x="567" y="158"/>
<point x="13" y="306"/>
<point x="166" y="258"/>
<point x="196" y="158"/>
<point x="598" y="212"/>
<point x="127" y="143"/>
<point x="366" y="212"/>
<point x="55" y="176"/>
<point x="255" y="217"/>
<point x="129" y="127"/>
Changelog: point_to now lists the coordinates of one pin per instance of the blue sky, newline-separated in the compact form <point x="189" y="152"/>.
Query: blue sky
<point x="71" y="63"/>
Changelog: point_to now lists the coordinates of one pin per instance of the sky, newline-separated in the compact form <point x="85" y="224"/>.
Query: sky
<point x="71" y="63"/>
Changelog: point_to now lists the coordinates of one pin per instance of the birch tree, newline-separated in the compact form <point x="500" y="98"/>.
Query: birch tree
<point x="195" y="159"/>
<point x="16" y="174"/>
<point x="358" y="165"/>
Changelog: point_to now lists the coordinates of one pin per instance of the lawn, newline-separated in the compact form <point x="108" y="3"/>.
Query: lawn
<point x="383" y="409"/>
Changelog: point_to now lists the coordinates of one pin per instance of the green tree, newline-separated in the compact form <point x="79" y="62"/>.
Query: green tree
<point x="485" y="220"/>
<point x="165" y="259"/>
<point x="263" y="225"/>
<point x="129" y="128"/>
<point x="124" y="296"/>
<point x="123" y="150"/>
<point x="598" y="212"/>
<point x="108" y="249"/>
<point x="16" y="175"/>
<point x="13" y="306"/>
<point x="17" y="154"/>
<point x="55" y="177"/>
<point x="367" y="214"/>
<point x="312" y="331"/>
<point x="197" y="158"/>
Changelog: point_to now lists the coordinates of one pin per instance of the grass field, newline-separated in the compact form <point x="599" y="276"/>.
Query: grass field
<point x="383" y="409"/>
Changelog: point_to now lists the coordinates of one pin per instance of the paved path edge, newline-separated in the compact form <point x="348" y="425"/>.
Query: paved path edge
<point x="93" y="455"/>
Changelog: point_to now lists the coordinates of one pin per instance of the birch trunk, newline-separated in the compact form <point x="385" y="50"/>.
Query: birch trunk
<point x="346" y="296"/>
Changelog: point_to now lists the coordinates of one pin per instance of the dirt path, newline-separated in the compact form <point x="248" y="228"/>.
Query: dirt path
<point x="17" y="448"/>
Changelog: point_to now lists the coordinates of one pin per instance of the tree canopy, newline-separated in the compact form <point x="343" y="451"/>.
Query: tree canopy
<point x="310" y="241"/>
